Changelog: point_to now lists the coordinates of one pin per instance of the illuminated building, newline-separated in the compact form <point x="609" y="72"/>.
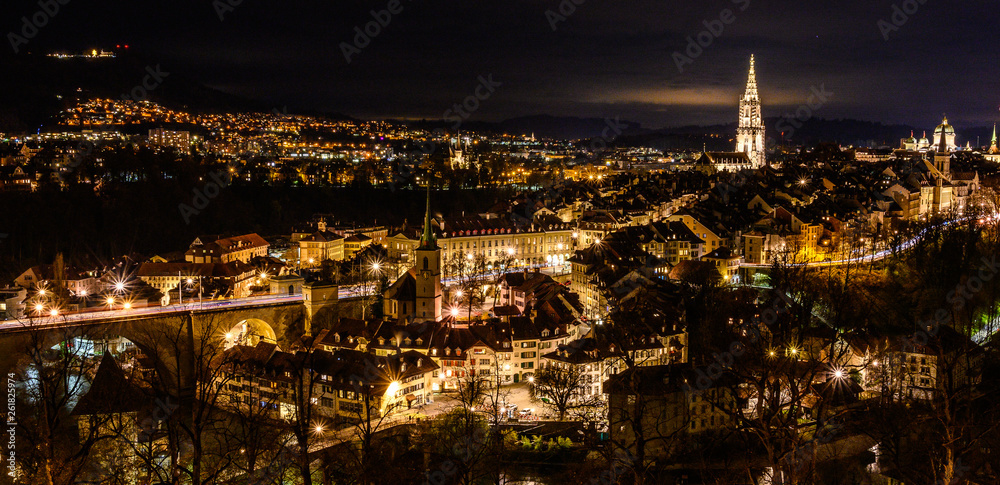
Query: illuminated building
<point x="750" y="133"/>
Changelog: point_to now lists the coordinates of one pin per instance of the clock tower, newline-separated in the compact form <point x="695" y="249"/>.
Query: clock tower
<point x="428" y="271"/>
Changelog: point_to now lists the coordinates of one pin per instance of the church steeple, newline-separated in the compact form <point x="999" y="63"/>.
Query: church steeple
<point x="427" y="240"/>
<point x="752" y="80"/>
<point x="427" y="273"/>
<point x="993" y="144"/>
<point x="750" y="132"/>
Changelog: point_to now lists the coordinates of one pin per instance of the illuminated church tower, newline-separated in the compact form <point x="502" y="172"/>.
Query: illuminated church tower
<point x="750" y="133"/>
<point x="428" y="271"/>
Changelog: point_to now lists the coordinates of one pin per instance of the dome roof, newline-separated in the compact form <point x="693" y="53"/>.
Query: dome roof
<point x="944" y="127"/>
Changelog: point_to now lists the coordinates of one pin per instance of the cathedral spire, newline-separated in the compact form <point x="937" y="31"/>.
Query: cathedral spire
<point x="750" y="131"/>
<point x="993" y="144"/>
<point x="752" y="79"/>
<point x="427" y="240"/>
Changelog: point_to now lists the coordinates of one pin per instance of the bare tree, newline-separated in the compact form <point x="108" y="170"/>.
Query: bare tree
<point x="562" y="387"/>
<point x="52" y="379"/>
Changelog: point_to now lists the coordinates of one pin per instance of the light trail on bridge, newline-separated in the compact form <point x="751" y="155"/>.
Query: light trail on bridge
<point x="344" y="293"/>
<point x="878" y="256"/>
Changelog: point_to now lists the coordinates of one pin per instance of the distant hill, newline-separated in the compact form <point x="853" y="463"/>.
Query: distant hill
<point x="35" y="87"/>
<point x="816" y="130"/>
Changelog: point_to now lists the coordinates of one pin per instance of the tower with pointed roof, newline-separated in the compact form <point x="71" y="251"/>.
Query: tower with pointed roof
<point x="993" y="144"/>
<point x="750" y="133"/>
<point x="428" y="271"/>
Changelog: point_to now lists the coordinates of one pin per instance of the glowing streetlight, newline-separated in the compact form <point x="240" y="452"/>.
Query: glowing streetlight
<point x="190" y="281"/>
<point x="39" y="307"/>
<point x="110" y="301"/>
<point x="127" y="306"/>
<point x="54" y="312"/>
<point x="531" y="379"/>
<point x="839" y="374"/>
<point x="454" y="312"/>
<point x="119" y="286"/>
<point x="319" y="428"/>
<point x="41" y="292"/>
<point x="459" y="293"/>
<point x="376" y="266"/>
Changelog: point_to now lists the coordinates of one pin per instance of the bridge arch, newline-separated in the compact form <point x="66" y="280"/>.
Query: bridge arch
<point x="250" y="331"/>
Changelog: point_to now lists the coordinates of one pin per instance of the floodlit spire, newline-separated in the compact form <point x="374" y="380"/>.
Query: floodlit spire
<point x="750" y="129"/>
<point x="993" y="144"/>
<point x="752" y="80"/>
<point x="427" y="240"/>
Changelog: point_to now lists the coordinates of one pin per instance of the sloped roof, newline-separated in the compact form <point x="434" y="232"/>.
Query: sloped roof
<point x="111" y="392"/>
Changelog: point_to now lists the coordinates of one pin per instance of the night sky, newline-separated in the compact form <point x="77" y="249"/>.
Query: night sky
<point x="608" y="58"/>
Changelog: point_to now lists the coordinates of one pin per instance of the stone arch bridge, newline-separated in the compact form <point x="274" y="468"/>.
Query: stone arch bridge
<point x="176" y="340"/>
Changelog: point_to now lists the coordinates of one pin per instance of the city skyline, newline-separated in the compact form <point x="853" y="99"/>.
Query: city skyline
<point x="740" y="243"/>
